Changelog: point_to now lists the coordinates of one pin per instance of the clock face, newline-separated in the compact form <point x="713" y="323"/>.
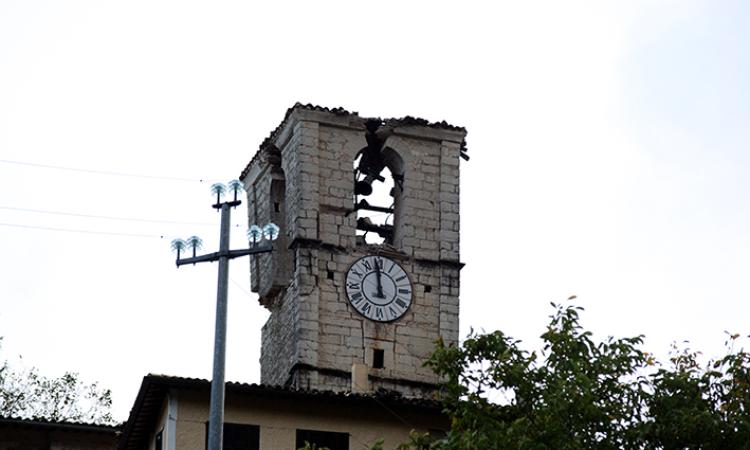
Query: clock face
<point x="378" y="288"/>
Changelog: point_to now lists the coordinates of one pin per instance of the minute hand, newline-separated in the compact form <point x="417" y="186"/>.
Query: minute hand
<point x="379" y="294"/>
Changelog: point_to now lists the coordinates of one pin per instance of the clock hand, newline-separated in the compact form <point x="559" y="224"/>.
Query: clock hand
<point x="377" y="276"/>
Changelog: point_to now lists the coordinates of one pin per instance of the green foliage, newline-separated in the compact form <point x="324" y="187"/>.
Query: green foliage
<point x="309" y="446"/>
<point x="25" y="393"/>
<point x="581" y="394"/>
<point x="421" y="441"/>
<point x="694" y="408"/>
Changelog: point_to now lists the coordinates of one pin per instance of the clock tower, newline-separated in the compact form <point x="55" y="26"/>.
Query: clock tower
<point x="365" y="277"/>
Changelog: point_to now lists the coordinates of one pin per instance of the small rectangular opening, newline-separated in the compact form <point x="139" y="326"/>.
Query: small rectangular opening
<point x="276" y="207"/>
<point x="330" y="274"/>
<point x="328" y="439"/>
<point x="377" y="358"/>
<point x="239" y="436"/>
<point x="427" y="288"/>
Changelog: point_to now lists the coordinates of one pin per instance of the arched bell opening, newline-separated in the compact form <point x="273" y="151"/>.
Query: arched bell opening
<point x="378" y="184"/>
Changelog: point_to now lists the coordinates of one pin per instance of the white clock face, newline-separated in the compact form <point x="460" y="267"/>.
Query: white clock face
<point x="378" y="288"/>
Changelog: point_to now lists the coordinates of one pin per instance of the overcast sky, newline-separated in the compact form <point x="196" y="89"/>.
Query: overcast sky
<point x="609" y="144"/>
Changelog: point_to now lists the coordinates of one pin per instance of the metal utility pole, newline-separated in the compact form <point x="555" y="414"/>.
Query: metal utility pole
<point x="269" y="232"/>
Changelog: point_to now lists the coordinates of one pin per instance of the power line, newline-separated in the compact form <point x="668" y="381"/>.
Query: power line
<point x="72" y="230"/>
<point x="106" y="172"/>
<point x="95" y="216"/>
<point x="242" y="288"/>
<point x="95" y="232"/>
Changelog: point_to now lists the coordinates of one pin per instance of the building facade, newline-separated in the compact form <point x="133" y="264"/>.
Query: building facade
<point x="171" y="413"/>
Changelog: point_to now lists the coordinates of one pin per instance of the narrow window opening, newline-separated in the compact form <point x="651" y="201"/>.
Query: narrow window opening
<point x="330" y="274"/>
<point x="378" y="356"/>
<point x="427" y="288"/>
<point x="276" y="207"/>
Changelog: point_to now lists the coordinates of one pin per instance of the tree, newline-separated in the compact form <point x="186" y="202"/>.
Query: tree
<point x="581" y="394"/>
<point x="695" y="407"/>
<point x="24" y="393"/>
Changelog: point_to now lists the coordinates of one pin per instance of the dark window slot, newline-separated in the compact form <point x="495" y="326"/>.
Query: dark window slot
<point x="378" y="356"/>
<point x="328" y="439"/>
<point x="239" y="436"/>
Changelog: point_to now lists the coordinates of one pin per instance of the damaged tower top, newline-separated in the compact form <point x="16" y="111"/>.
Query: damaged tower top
<point x="366" y="275"/>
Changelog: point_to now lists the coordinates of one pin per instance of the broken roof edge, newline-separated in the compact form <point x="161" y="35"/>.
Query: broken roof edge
<point x="343" y="117"/>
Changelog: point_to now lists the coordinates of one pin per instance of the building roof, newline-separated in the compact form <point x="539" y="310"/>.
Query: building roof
<point x="58" y="425"/>
<point x="154" y="389"/>
<point x="404" y="121"/>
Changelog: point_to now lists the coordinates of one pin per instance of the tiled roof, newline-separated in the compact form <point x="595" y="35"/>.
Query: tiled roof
<point x="155" y="387"/>
<point x="404" y="121"/>
<point x="38" y="423"/>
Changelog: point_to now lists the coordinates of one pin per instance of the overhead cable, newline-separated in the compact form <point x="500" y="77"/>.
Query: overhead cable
<point x="71" y="230"/>
<point x="105" y="172"/>
<point x="95" y="216"/>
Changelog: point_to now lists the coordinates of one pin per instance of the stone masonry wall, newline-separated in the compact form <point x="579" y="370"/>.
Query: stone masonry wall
<point x="313" y="335"/>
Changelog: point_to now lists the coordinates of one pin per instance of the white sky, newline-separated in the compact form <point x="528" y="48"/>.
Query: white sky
<point x="609" y="144"/>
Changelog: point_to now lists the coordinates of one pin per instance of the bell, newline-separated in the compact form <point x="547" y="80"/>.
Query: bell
<point x="362" y="188"/>
<point x="364" y="223"/>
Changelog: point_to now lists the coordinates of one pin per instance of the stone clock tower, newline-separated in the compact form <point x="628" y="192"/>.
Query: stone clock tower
<point x="362" y="282"/>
